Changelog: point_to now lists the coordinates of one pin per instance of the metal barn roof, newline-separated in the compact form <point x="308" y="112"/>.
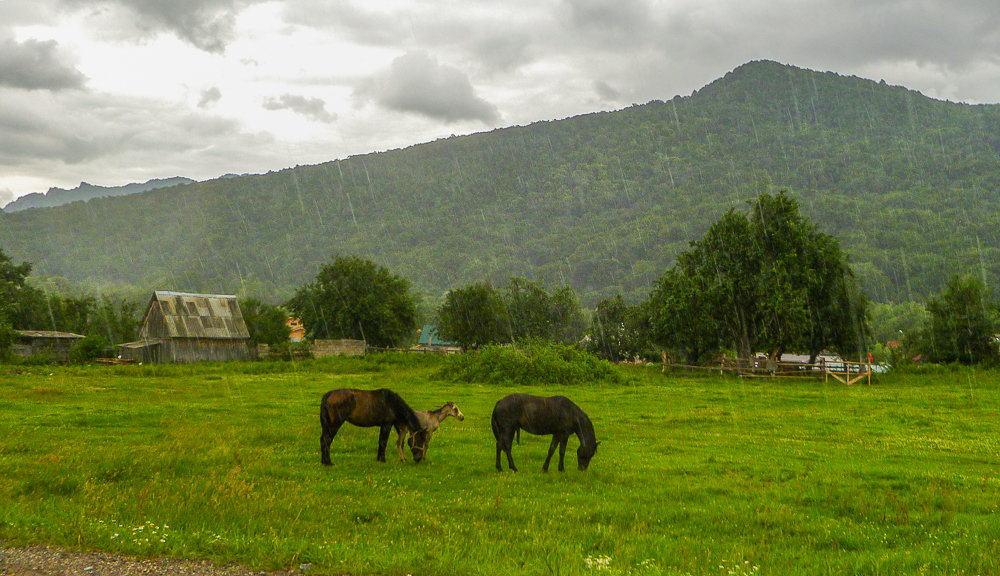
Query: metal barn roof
<point x="200" y="315"/>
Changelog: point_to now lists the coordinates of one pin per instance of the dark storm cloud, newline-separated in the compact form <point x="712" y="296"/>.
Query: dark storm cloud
<point x="36" y="65"/>
<point x="313" y="108"/>
<point x="418" y="83"/>
<point x="206" y="24"/>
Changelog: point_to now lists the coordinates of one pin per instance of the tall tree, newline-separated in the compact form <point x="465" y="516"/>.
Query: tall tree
<point x="766" y="281"/>
<point x="617" y="330"/>
<point x="473" y="316"/>
<point x="963" y="322"/>
<point x="14" y="290"/>
<point x="354" y="298"/>
<point x="267" y="324"/>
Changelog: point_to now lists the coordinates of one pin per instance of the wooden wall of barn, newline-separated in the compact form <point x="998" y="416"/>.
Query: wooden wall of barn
<point x="204" y="350"/>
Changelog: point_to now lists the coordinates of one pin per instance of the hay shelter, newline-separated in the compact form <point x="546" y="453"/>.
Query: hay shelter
<point x="182" y="327"/>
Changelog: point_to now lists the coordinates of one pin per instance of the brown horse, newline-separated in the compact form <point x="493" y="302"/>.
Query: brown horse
<point x="555" y="415"/>
<point x="383" y="408"/>
<point x="430" y="422"/>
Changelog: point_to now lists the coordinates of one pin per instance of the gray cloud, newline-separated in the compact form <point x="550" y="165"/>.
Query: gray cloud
<point x="313" y="108"/>
<point x="358" y="23"/>
<point x="610" y="18"/>
<point x="209" y="97"/>
<point x="36" y="65"/>
<point x="606" y="91"/>
<point x="101" y="136"/>
<point x="206" y="24"/>
<point x="418" y="83"/>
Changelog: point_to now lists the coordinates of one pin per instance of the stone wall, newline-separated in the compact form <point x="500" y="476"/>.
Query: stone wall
<point x="321" y="348"/>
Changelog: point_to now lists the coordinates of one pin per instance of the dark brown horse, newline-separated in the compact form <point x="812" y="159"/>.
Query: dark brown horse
<point x="555" y="415"/>
<point x="383" y="408"/>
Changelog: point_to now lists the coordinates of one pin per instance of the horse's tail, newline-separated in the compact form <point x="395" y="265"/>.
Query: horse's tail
<point x="399" y="406"/>
<point x="324" y="414"/>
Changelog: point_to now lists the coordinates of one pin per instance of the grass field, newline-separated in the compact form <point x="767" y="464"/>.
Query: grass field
<point x="694" y="475"/>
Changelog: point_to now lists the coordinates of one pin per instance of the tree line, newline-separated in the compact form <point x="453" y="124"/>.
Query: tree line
<point x="760" y="280"/>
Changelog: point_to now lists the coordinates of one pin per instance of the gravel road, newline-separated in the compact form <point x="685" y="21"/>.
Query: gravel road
<point x="45" y="561"/>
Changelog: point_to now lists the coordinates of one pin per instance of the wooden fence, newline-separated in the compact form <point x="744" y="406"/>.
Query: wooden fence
<point x="842" y="371"/>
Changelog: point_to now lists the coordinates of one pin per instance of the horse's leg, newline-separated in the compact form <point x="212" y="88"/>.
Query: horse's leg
<point x="505" y="438"/>
<point x="383" y="441"/>
<point x="401" y="434"/>
<point x="509" y="441"/>
<point x="562" y="451"/>
<point x="326" y="439"/>
<point x="552" y="449"/>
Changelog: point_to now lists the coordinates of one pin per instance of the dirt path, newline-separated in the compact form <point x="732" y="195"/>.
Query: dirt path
<point x="45" y="561"/>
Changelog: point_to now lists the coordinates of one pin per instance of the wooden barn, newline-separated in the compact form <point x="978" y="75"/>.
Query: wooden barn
<point x="181" y="327"/>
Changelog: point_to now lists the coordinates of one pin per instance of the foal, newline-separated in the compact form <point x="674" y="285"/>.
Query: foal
<point x="430" y="422"/>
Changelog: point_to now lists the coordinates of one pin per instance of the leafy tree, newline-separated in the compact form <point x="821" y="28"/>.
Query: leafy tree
<point x="267" y="324"/>
<point x="617" y="330"/>
<point x="534" y="314"/>
<point x="473" y="316"/>
<point x="681" y="318"/>
<point x="527" y="310"/>
<point x="354" y="298"/>
<point x="117" y="320"/>
<point x="806" y="292"/>
<point x="567" y="325"/>
<point x="963" y="323"/>
<point x="16" y="296"/>
<point x="767" y="280"/>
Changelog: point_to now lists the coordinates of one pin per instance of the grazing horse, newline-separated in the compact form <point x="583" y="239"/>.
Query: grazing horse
<point x="430" y="422"/>
<point x="383" y="408"/>
<point x="555" y="415"/>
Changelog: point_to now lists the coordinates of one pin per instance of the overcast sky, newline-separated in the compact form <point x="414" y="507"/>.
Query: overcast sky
<point x="117" y="91"/>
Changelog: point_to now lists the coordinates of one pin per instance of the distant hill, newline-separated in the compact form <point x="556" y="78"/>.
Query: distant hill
<point x="602" y="202"/>
<point x="58" y="196"/>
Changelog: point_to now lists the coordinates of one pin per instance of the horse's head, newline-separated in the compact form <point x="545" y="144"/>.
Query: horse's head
<point x="419" y="442"/>
<point x="451" y="409"/>
<point x="584" y="454"/>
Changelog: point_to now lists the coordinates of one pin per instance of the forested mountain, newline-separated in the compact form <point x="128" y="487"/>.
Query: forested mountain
<point x="601" y="202"/>
<point x="85" y="191"/>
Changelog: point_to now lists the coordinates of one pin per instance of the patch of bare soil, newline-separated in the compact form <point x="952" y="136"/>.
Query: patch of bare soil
<point x="45" y="561"/>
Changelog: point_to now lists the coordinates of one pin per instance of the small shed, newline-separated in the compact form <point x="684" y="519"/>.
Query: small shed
<point x="46" y="343"/>
<point x="183" y="327"/>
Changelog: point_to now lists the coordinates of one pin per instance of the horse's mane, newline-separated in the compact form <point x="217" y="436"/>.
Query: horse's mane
<point x="585" y="428"/>
<point x="400" y="406"/>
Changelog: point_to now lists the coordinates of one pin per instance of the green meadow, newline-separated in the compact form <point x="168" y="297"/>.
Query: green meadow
<point x="699" y="475"/>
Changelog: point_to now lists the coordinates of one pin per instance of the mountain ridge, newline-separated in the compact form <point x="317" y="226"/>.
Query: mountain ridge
<point x="85" y="191"/>
<point x="602" y="202"/>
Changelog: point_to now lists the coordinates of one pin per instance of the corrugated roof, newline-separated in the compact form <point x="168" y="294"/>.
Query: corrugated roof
<point x="200" y="315"/>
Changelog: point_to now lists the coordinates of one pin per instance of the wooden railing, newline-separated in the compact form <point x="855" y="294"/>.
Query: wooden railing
<point x="840" y="370"/>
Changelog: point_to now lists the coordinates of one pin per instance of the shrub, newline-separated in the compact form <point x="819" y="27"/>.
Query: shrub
<point x="89" y="348"/>
<point x="531" y="364"/>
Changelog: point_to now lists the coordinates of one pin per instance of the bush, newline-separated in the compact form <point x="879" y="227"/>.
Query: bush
<point x="89" y="348"/>
<point x="531" y="364"/>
